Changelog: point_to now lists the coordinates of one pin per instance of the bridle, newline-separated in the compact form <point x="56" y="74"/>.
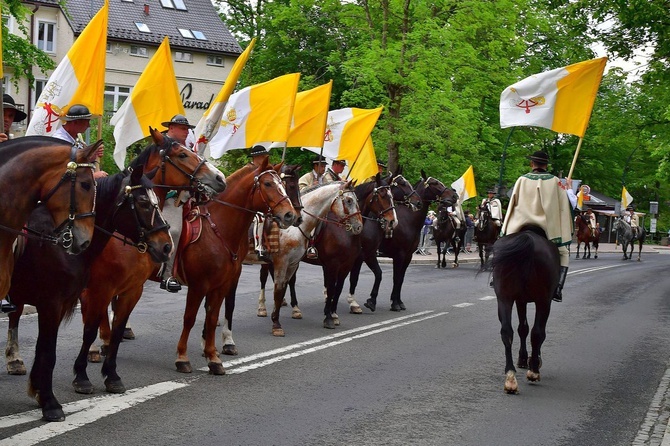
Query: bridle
<point x="484" y="216"/>
<point x="344" y="222"/>
<point x="256" y="188"/>
<point x="406" y="197"/>
<point x="376" y="196"/>
<point x="297" y="206"/>
<point x="438" y="193"/>
<point x="194" y="183"/>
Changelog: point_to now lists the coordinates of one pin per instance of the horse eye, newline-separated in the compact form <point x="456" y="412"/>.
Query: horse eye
<point x="86" y="185"/>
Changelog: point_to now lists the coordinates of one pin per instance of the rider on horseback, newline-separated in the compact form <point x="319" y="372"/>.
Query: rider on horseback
<point x="494" y="206"/>
<point x="539" y="198"/>
<point x="632" y="219"/>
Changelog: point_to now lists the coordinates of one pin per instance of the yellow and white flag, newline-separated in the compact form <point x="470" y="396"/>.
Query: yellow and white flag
<point x="258" y="114"/>
<point x="626" y="198"/>
<point x="210" y="121"/>
<point x="560" y="100"/>
<point x="580" y="198"/>
<point x="154" y="99"/>
<point x="465" y="185"/>
<point x="78" y="79"/>
<point x="2" y="74"/>
<point x="365" y="165"/>
<point x="309" y="117"/>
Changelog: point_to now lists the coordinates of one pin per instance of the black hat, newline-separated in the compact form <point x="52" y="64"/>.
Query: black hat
<point x="258" y="150"/>
<point x="179" y="120"/>
<point x="340" y="161"/>
<point x="76" y="112"/>
<point x="380" y="164"/>
<point x="539" y="157"/>
<point x="8" y="102"/>
<point x="319" y="159"/>
<point x="630" y="208"/>
<point x="490" y="190"/>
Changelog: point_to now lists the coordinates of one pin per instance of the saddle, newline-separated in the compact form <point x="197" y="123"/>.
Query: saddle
<point x="270" y="236"/>
<point x="190" y="233"/>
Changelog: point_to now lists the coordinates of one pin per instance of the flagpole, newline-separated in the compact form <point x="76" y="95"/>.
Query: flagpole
<point x="574" y="159"/>
<point x="283" y="155"/>
<point x="354" y="163"/>
<point x="2" y="105"/>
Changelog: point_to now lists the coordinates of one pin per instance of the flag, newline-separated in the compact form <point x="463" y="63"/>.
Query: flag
<point x="560" y="100"/>
<point x="154" y="99"/>
<point x="209" y="123"/>
<point x="580" y="198"/>
<point x="309" y="117"/>
<point x="626" y="198"/>
<point x="465" y="185"/>
<point x="347" y="129"/>
<point x="257" y="114"/>
<point x="2" y="74"/>
<point x="365" y="165"/>
<point x="78" y="79"/>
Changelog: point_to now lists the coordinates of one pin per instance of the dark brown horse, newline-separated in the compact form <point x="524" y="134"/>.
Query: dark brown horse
<point x="120" y="272"/>
<point x="486" y="234"/>
<point x="446" y="234"/>
<point x="525" y="270"/>
<point x="211" y="265"/>
<point x="46" y="277"/>
<point x="405" y="239"/>
<point x="585" y="236"/>
<point x="48" y="170"/>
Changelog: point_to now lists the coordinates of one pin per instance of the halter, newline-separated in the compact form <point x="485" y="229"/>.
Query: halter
<point x="299" y="206"/>
<point x="345" y="221"/>
<point x="257" y="187"/>
<point x="194" y="183"/>
<point x="376" y="196"/>
<point x="63" y="232"/>
<point x="406" y="198"/>
<point x="426" y="185"/>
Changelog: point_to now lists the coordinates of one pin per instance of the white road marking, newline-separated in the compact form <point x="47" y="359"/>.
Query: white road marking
<point x="590" y="270"/>
<point x="487" y="298"/>
<point x="463" y="305"/>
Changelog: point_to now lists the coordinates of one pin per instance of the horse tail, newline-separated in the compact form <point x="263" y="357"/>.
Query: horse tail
<point x="513" y="254"/>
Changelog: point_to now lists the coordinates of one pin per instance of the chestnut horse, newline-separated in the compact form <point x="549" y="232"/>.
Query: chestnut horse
<point x="486" y="234"/>
<point x="211" y="264"/>
<point x="405" y="239"/>
<point x="584" y="236"/>
<point x="446" y="233"/>
<point x="124" y="203"/>
<point x="121" y="270"/>
<point x="48" y="170"/>
<point x="525" y="269"/>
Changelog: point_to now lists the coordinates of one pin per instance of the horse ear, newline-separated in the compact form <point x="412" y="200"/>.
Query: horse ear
<point x="264" y="164"/>
<point x="423" y="174"/>
<point x="277" y="167"/>
<point x="378" y="179"/>
<point x="88" y="153"/>
<point x="136" y="175"/>
<point x="297" y="168"/>
<point x="156" y="136"/>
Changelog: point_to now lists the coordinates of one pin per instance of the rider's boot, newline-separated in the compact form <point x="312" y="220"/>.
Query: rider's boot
<point x="6" y="306"/>
<point x="558" y="294"/>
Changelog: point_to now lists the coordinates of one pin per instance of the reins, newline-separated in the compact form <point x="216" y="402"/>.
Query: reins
<point x="344" y="222"/>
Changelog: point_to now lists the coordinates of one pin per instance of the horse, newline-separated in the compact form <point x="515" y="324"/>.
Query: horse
<point x="486" y="234"/>
<point x="124" y="203"/>
<point x="525" y="269"/>
<point x="446" y="232"/>
<point x="337" y="249"/>
<point x="55" y="173"/>
<point x="120" y="271"/>
<point x="211" y="264"/>
<point x="405" y="240"/>
<point x="627" y="238"/>
<point x="584" y="236"/>
<point x="337" y="197"/>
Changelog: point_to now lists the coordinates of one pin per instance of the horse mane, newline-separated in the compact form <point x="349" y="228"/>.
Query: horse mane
<point x="314" y="187"/>
<point x="109" y="186"/>
<point x="143" y="157"/>
<point x="364" y="189"/>
<point x="13" y="147"/>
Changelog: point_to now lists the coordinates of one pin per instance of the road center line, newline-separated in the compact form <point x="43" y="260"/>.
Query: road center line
<point x="590" y="270"/>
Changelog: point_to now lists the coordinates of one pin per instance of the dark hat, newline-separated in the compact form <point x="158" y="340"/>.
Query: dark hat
<point x="539" y="157"/>
<point x="340" y="161"/>
<point x="380" y="164"/>
<point x="490" y="190"/>
<point x="319" y="159"/>
<point x="258" y="150"/>
<point x="77" y="112"/>
<point x="630" y="208"/>
<point x="8" y="102"/>
<point x="179" y="120"/>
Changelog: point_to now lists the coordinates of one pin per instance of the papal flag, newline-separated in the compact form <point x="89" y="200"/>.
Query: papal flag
<point x="210" y="121"/>
<point x="258" y="114"/>
<point x="580" y="198"/>
<point x="560" y="100"/>
<point x="465" y="185"/>
<point x="78" y="79"/>
<point x="365" y="165"/>
<point x="154" y="99"/>
<point x="626" y="198"/>
<point x="309" y="117"/>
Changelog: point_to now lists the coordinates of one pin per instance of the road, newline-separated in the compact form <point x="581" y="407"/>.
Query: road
<point x="432" y="375"/>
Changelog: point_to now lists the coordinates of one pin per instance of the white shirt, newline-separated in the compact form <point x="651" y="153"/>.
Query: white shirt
<point x="61" y="133"/>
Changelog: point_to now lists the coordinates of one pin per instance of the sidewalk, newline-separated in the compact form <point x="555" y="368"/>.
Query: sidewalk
<point x="603" y="248"/>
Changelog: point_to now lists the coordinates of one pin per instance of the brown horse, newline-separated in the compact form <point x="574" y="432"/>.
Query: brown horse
<point x="124" y="203"/>
<point x="120" y="271"/>
<point x="211" y="264"/>
<point x="584" y="236"/>
<point x="48" y="170"/>
<point x="446" y="232"/>
<point x="486" y="234"/>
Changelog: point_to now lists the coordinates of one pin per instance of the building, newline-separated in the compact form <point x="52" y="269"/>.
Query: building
<point x="202" y="47"/>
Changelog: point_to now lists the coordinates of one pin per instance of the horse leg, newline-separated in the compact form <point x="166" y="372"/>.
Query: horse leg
<point x="330" y="277"/>
<point x="213" y="303"/>
<point x="15" y="365"/>
<point x="587" y="246"/>
<point x="507" y="336"/>
<point x="522" y="329"/>
<point x="105" y="334"/>
<point x="262" y="310"/>
<point x="354" y="274"/>
<point x="373" y="264"/>
<point x="578" y="244"/>
<point x="537" y="337"/>
<point x="595" y="245"/>
<point x="337" y="292"/>
<point x="193" y="300"/>
<point x="639" y="252"/>
<point x="229" y="347"/>
<point x="480" y="249"/>
<point x="457" y="249"/>
<point x="295" y="310"/>
<point x="438" y="244"/>
<point x="279" y="293"/>
<point x="400" y="264"/>
<point x="92" y="316"/>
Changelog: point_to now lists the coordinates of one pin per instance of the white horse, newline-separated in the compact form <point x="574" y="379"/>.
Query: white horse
<point x="627" y="238"/>
<point x="337" y="197"/>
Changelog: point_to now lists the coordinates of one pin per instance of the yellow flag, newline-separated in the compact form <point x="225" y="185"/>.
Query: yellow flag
<point x="580" y="198"/>
<point x="465" y="185"/>
<point x="365" y="165"/>
<point x="309" y="117"/>
<point x="626" y="198"/>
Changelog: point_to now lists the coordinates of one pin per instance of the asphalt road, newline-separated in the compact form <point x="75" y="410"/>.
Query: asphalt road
<point x="431" y="375"/>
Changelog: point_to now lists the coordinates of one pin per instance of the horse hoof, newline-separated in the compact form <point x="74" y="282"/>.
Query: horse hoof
<point x="262" y="312"/>
<point x="296" y="313"/>
<point x="533" y="376"/>
<point x="278" y="332"/>
<point x="370" y="305"/>
<point x="94" y="356"/>
<point x="55" y="414"/>
<point x="395" y="307"/>
<point x="522" y="364"/>
<point x="355" y="309"/>
<point x="329" y="324"/>
<point x="454" y="265"/>
<point x="184" y="366"/>
<point x="402" y="305"/>
<point x="83" y="387"/>
<point x="336" y="319"/>
<point x="115" y="386"/>
<point x="511" y="385"/>
<point x="595" y="257"/>
<point x="284" y="303"/>
<point x="216" y="368"/>
<point x="16" y="367"/>
<point x="104" y="348"/>
<point x="128" y="334"/>
<point x="230" y="350"/>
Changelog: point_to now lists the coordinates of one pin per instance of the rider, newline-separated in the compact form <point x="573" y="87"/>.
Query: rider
<point x="334" y="172"/>
<point x="316" y="176"/>
<point x="632" y="219"/>
<point x="261" y="227"/>
<point x="494" y="206"/>
<point x="179" y="129"/>
<point x="540" y="198"/>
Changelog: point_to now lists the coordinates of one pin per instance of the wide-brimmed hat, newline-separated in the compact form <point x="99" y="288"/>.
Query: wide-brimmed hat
<point x="490" y="190"/>
<point x="319" y="159"/>
<point x="630" y="208"/>
<point x="77" y="112"/>
<point x="8" y="102"/>
<point x="258" y="150"/>
<point x="539" y="157"/>
<point x="179" y="120"/>
<point x="381" y="164"/>
<point x="340" y="161"/>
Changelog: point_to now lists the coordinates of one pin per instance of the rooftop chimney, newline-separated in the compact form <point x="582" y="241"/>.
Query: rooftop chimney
<point x="146" y="9"/>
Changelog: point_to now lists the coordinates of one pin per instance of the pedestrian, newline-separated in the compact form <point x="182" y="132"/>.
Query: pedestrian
<point x="469" y="232"/>
<point x="540" y="198"/>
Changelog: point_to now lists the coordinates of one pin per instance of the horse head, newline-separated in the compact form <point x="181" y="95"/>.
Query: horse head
<point x="376" y="199"/>
<point x="432" y="189"/>
<point x="345" y="207"/>
<point x="289" y="176"/>
<point x="403" y="192"/>
<point x="269" y="188"/>
<point x="484" y="216"/>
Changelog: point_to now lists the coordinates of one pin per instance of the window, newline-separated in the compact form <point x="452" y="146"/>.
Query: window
<point x="199" y="35"/>
<point x="46" y="36"/>
<point x="115" y="96"/>
<point x="215" y="60"/>
<point x="174" y="4"/>
<point x="180" y="56"/>
<point x="39" y="88"/>
<point x="186" y="33"/>
<point x="140" y="51"/>
<point x="109" y="47"/>
<point x="142" y="27"/>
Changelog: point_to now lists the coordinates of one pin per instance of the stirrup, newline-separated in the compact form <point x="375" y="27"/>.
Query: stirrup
<point x="558" y="296"/>
<point x="171" y="285"/>
<point x="312" y="253"/>
<point x="7" y="307"/>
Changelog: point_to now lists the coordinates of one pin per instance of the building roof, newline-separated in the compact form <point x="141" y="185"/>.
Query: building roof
<point x="195" y="15"/>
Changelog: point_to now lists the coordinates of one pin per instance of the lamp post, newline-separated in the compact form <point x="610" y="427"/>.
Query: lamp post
<point x="625" y="167"/>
